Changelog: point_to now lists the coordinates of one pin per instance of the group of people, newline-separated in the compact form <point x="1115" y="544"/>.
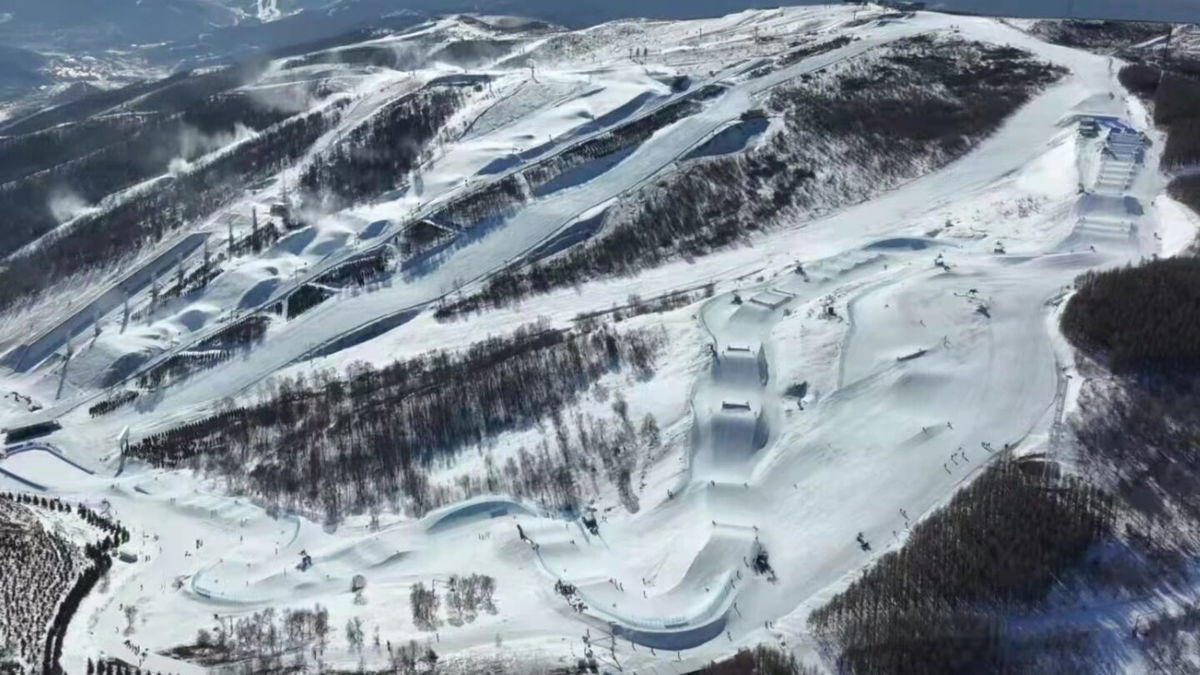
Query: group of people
<point x="569" y="592"/>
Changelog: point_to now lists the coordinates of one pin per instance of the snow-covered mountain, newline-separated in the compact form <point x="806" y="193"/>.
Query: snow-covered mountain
<point x="492" y="344"/>
<point x="145" y="38"/>
<point x="82" y="24"/>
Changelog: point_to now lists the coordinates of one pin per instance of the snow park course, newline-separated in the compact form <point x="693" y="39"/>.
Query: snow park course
<point x="533" y="347"/>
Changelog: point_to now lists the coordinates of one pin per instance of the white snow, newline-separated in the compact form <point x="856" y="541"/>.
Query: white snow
<point x="916" y="364"/>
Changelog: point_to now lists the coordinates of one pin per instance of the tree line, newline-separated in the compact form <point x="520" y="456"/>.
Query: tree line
<point x="761" y="660"/>
<point x="465" y="596"/>
<point x="359" y="271"/>
<point x="1104" y="37"/>
<point x="494" y="200"/>
<point x="1144" y="318"/>
<point x="1134" y="433"/>
<point x="229" y="341"/>
<point x="1173" y="90"/>
<point x="262" y="640"/>
<point x="1177" y="109"/>
<point x="1186" y="190"/>
<point x="810" y="50"/>
<point x="99" y="562"/>
<point x="1135" y="437"/>
<point x="1174" y="94"/>
<point x="113" y="402"/>
<point x="347" y="443"/>
<point x="940" y="603"/>
<point x="303" y="299"/>
<point x="377" y="155"/>
<point x="39" y="569"/>
<point x="43" y="585"/>
<point x="1138" y="415"/>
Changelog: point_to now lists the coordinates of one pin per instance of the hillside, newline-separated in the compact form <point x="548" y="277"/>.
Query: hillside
<point x="499" y="346"/>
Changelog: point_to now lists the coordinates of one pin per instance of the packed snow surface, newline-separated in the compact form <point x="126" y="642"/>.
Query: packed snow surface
<point x="923" y="325"/>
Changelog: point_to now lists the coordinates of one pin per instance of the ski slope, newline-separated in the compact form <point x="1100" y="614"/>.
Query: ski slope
<point x="923" y="323"/>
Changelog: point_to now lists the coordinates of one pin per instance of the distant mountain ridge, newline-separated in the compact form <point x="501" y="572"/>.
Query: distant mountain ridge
<point x="84" y="24"/>
<point x="162" y="36"/>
